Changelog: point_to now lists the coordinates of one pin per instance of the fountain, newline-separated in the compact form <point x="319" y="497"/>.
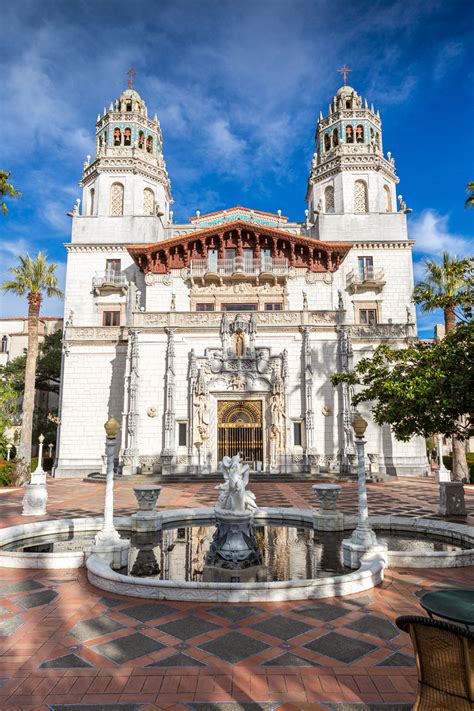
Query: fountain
<point x="234" y="553"/>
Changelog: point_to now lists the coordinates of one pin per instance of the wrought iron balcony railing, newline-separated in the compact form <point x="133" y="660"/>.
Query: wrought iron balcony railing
<point x="365" y="277"/>
<point x="110" y="278"/>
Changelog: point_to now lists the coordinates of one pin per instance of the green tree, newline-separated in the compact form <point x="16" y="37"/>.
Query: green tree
<point x="33" y="277"/>
<point x="423" y="389"/>
<point x="470" y="198"/>
<point x="48" y="367"/>
<point x="6" y="191"/>
<point x="449" y="286"/>
<point x="8" y="400"/>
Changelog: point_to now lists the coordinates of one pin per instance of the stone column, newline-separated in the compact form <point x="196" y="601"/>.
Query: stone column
<point x="130" y="418"/>
<point x="345" y="358"/>
<point x="107" y="543"/>
<point x="168" y="454"/>
<point x="363" y="539"/>
<point x="307" y="380"/>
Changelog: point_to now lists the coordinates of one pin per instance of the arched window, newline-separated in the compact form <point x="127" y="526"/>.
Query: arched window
<point x="116" y="200"/>
<point x="4" y="346"/>
<point x="329" y="198"/>
<point x="388" y="199"/>
<point x="359" y="134"/>
<point x="148" y="201"/>
<point x="335" y="137"/>
<point x="327" y="142"/>
<point x="361" y="198"/>
<point x="141" y="139"/>
<point x="348" y="104"/>
<point x="128" y="106"/>
<point x="127" y="137"/>
<point x="117" y="137"/>
<point x="91" y="201"/>
<point x="349" y="134"/>
<point x="149" y="144"/>
<point x="377" y="140"/>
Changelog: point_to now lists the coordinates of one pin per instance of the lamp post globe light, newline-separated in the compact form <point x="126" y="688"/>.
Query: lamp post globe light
<point x="108" y="544"/>
<point x="363" y="539"/>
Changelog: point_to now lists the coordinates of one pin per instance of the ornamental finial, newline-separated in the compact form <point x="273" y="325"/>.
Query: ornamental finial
<point x="131" y="76"/>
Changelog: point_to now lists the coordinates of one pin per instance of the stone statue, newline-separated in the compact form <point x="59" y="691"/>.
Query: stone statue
<point x="305" y="301"/>
<point x="233" y="496"/>
<point x="173" y="302"/>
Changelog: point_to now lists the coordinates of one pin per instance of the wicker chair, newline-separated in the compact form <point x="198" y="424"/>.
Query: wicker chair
<point x="445" y="664"/>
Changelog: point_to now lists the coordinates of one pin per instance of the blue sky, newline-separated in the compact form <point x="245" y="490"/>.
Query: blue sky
<point x="238" y="87"/>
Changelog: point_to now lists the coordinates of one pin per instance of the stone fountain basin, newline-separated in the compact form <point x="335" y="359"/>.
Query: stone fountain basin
<point x="369" y="575"/>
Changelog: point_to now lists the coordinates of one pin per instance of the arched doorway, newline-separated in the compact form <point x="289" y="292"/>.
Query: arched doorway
<point x="239" y="429"/>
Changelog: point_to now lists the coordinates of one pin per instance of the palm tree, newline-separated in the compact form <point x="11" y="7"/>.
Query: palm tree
<point x="6" y="190"/>
<point x="470" y="198"/>
<point x="33" y="277"/>
<point x="447" y="286"/>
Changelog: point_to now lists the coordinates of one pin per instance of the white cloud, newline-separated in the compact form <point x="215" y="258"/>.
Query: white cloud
<point x="447" y="58"/>
<point x="432" y="236"/>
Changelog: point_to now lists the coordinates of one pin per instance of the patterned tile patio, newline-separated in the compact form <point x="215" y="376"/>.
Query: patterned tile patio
<point x="64" y="645"/>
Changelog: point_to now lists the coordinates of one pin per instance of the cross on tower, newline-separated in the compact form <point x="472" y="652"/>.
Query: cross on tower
<point x="344" y="71"/>
<point x="131" y="76"/>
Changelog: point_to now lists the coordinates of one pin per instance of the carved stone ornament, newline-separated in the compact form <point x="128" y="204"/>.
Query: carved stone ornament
<point x="326" y="410"/>
<point x="327" y="495"/>
<point x="151" y="412"/>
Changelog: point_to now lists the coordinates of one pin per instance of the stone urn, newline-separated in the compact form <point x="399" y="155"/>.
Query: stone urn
<point x="147" y="517"/>
<point x="328" y="518"/>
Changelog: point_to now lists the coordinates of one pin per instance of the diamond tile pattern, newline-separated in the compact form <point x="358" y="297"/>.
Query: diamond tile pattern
<point x="398" y="660"/>
<point x="10" y="625"/>
<point x="375" y="626"/>
<point x="68" y="661"/>
<point x="289" y="660"/>
<point x="340" y="647"/>
<point x="36" y="599"/>
<point x="149" y="611"/>
<point x="234" y="647"/>
<point x="322" y="611"/>
<point x="187" y="627"/>
<point x="125" y="649"/>
<point x="177" y="660"/>
<point x="95" y="627"/>
<point x="235" y="613"/>
<point x="282" y="627"/>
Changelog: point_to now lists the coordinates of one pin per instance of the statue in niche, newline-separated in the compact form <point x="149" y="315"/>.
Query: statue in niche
<point x="233" y="496"/>
<point x="239" y="344"/>
<point x="201" y="412"/>
<point x="277" y="408"/>
<point x="305" y="301"/>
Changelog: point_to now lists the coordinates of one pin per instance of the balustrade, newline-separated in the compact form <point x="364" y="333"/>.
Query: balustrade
<point x="244" y="265"/>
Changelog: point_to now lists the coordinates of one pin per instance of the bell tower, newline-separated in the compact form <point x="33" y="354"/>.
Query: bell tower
<point x="349" y="173"/>
<point x="127" y="177"/>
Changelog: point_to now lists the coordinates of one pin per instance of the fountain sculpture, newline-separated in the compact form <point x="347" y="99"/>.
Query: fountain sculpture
<point x="234" y="554"/>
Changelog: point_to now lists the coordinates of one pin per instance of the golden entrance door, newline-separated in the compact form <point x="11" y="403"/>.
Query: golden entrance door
<point x="239" y="429"/>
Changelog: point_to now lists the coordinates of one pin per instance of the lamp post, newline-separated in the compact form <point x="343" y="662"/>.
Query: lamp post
<point x="9" y="449"/>
<point x="107" y="543"/>
<point x="36" y="492"/>
<point x="443" y="473"/>
<point x="363" y="538"/>
<point x="39" y="475"/>
<point x="50" y="447"/>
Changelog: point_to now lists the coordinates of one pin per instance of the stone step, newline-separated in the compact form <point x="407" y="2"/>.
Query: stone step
<point x="326" y="477"/>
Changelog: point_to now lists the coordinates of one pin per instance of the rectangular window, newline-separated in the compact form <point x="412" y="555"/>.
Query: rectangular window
<point x="273" y="307"/>
<point x="297" y="439"/>
<point x="182" y="434"/>
<point x="112" y="265"/>
<point x="204" y="307"/>
<point x="366" y="268"/>
<point x="238" y="307"/>
<point x="111" y="318"/>
<point x="368" y="316"/>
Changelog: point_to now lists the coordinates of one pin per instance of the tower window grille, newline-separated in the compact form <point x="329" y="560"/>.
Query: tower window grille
<point x="116" y="200"/>
<point x="361" y="198"/>
<point x="349" y="134"/>
<point x="127" y="137"/>
<point x="149" y="144"/>
<point x="335" y="138"/>
<point x="359" y="134"/>
<point x="388" y="199"/>
<point x="327" y="142"/>
<point x="148" y="201"/>
<point x="329" y="198"/>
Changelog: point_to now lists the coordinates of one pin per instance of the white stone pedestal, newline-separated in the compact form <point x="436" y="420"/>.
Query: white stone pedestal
<point x="147" y="517"/>
<point x="112" y="548"/>
<point x="451" y="498"/>
<point x="352" y="553"/>
<point x="328" y="518"/>
<point x="35" y="499"/>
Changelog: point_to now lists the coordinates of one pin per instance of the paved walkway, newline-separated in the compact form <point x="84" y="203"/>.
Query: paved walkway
<point x="62" y="642"/>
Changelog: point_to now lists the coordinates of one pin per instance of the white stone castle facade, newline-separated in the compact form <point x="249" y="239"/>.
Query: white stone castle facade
<point x="220" y="335"/>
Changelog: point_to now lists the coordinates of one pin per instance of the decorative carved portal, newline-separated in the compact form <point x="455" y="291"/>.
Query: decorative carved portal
<point x="239" y="429"/>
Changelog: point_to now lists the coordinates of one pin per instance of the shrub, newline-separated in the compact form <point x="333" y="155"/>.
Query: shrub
<point x="7" y="473"/>
<point x="448" y="463"/>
